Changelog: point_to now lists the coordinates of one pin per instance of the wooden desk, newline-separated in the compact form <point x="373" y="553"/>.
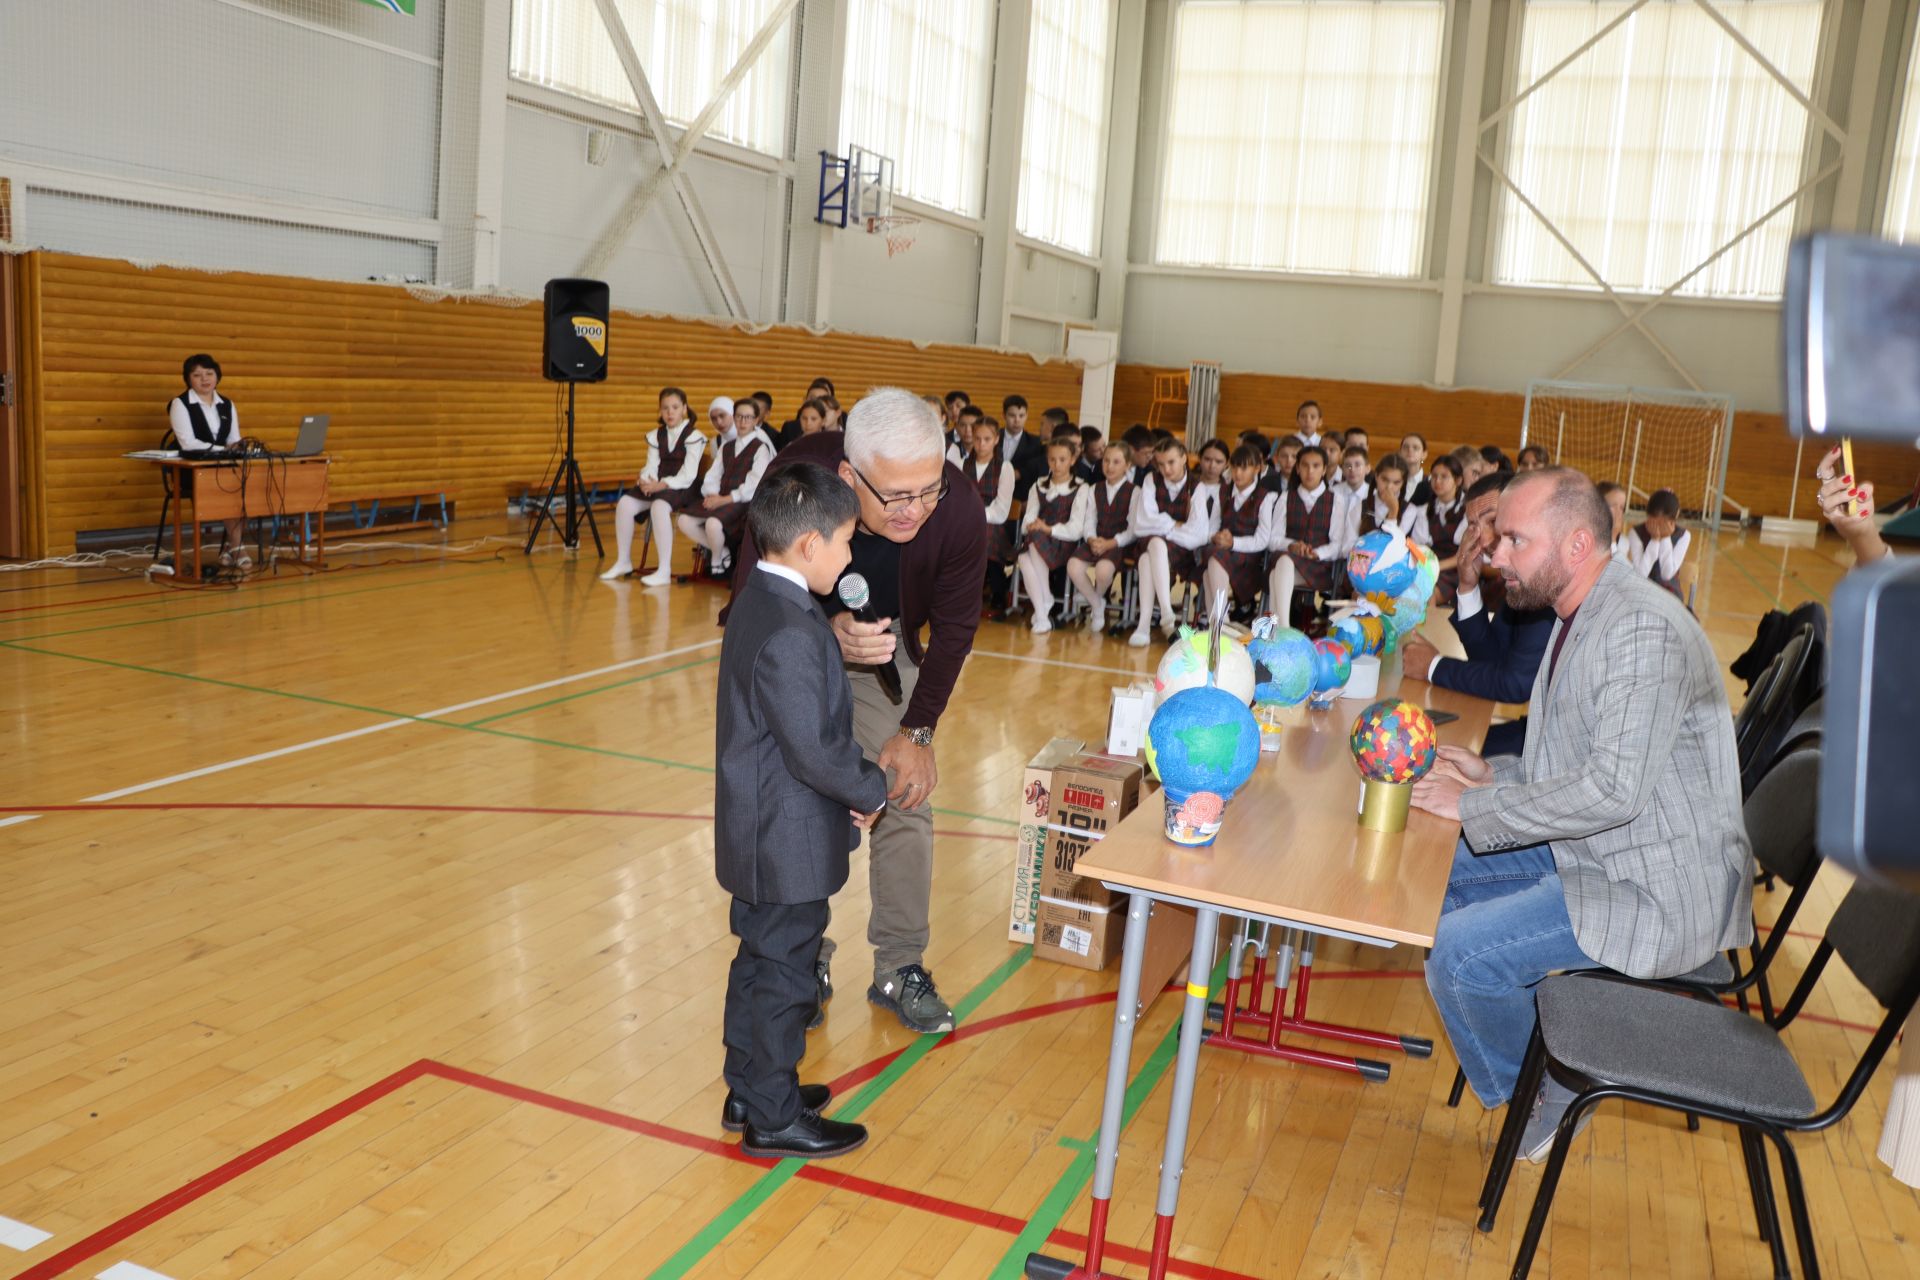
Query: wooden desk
<point x="272" y="487"/>
<point x="1293" y="854"/>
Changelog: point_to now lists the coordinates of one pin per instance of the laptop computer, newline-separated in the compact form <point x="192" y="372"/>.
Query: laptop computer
<point x="313" y="436"/>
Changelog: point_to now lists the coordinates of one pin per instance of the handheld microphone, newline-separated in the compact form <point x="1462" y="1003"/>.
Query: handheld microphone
<point x="854" y="594"/>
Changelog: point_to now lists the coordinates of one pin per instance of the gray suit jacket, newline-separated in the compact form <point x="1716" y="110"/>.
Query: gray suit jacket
<point x="1630" y="775"/>
<point x="788" y="770"/>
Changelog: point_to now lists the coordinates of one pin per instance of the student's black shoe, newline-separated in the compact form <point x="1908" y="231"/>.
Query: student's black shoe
<point x="733" y="1113"/>
<point x="822" y="992"/>
<point x="811" y="1137"/>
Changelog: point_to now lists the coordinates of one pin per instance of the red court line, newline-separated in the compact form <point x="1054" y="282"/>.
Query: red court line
<point x="325" y="807"/>
<point x="145" y="1216"/>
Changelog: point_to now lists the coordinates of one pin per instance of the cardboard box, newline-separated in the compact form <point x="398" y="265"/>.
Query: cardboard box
<point x="1089" y="937"/>
<point x="1080" y="934"/>
<point x="1091" y="794"/>
<point x="1036" y="802"/>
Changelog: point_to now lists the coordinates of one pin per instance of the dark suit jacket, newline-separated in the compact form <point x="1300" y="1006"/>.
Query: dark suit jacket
<point x="788" y="770"/>
<point x="1504" y="651"/>
<point x="1029" y="457"/>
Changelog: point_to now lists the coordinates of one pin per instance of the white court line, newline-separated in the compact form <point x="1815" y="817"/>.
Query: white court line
<point x="21" y="1237"/>
<point x="384" y="725"/>
<point x="128" y="1271"/>
<point x="1057" y="662"/>
<point x="15" y="821"/>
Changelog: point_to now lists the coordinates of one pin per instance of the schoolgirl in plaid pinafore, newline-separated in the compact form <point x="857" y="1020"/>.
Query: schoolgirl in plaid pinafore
<point x="987" y="484"/>
<point x="673" y="455"/>
<point x="1183" y="563"/>
<point x="1053" y="509"/>
<point x="1110" y="517"/>
<point x="736" y="464"/>
<point x="1246" y="570"/>
<point x="1313" y="526"/>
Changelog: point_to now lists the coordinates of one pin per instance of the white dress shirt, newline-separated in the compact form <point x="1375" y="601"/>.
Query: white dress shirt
<point x="689" y="465"/>
<point x="182" y="423"/>
<point x="711" y="485"/>
<point x="1078" y="525"/>
<point x="782" y="571"/>
<point x="1149" y="521"/>
<point x="1660" y="554"/>
<point x="1421" y="530"/>
<point x="1002" y="504"/>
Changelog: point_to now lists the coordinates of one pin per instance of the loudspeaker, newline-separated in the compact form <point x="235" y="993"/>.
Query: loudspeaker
<point x="575" y="345"/>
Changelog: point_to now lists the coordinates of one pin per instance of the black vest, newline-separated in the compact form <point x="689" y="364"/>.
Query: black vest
<point x="1110" y="518"/>
<point x="197" y="420"/>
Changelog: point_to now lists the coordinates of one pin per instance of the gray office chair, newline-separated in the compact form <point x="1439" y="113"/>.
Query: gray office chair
<point x="1607" y="1038"/>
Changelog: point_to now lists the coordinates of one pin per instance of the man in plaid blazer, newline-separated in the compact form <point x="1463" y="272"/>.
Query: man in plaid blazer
<point x="1616" y="840"/>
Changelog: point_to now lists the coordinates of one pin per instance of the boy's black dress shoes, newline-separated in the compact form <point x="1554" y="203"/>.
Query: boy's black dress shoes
<point x="811" y="1137"/>
<point x="733" y="1116"/>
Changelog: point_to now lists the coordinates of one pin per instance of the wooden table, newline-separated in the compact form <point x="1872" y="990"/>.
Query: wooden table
<point x="253" y="489"/>
<point x="1291" y="854"/>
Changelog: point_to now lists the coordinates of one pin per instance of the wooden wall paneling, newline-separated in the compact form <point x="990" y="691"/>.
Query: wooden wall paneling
<point x="421" y="393"/>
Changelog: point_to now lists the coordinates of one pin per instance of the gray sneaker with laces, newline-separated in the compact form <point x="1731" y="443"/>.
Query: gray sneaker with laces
<point x="909" y="993"/>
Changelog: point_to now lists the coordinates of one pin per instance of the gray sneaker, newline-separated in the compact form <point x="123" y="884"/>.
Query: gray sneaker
<point x="1549" y="1105"/>
<point x="910" y="995"/>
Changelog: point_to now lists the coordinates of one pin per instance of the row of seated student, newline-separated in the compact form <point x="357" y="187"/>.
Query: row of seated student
<point x="1280" y="516"/>
<point x="1247" y="519"/>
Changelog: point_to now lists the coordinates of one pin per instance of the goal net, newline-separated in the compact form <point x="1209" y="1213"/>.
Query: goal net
<point x="1644" y="439"/>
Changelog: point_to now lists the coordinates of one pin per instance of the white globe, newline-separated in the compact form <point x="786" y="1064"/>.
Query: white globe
<point x="1185" y="667"/>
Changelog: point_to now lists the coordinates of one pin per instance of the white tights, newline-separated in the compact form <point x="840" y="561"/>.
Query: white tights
<point x="626" y="512"/>
<point x="1280" y="580"/>
<point x="1039" y="582"/>
<point x="1091" y="579"/>
<point x="705" y="531"/>
<point x="1156" y="585"/>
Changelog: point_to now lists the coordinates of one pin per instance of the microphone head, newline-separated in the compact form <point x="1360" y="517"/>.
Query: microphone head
<point x="853" y="591"/>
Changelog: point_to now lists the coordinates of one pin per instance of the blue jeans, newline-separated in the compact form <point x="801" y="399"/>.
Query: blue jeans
<point x="1503" y="927"/>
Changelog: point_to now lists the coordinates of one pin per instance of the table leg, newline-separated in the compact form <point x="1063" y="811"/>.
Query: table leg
<point x="321" y="521"/>
<point x="1113" y="1106"/>
<point x="196" y="542"/>
<point x="179" y="510"/>
<point x="1193" y="1026"/>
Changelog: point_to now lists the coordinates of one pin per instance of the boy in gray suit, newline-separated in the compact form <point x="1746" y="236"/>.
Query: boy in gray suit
<point x="791" y="787"/>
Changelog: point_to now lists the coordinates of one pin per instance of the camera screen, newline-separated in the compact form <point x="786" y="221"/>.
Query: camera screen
<point x="1852" y="317"/>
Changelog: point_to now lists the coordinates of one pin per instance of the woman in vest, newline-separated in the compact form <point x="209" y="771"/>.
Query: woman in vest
<point x="741" y="452"/>
<point x="204" y="421"/>
<point x="668" y="483"/>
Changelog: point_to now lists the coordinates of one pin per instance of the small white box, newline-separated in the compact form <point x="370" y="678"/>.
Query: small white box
<point x="1365" y="680"/>
<point x="1127" y="722"/>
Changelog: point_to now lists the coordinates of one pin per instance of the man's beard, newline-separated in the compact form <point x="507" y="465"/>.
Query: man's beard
<point x="1541" y="591"/>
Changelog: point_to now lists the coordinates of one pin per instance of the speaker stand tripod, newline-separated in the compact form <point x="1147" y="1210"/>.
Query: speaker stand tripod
<point x="576" y="496"/>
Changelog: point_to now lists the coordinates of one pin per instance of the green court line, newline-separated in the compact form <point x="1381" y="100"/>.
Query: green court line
<point x="709" y="1237"/>
<point x="479" y="726"/>
<point x="1073" y="1182"/>
<point x="1812" y="591"/>
<point x="588" y="693"/>
<point x="215" y="613"/>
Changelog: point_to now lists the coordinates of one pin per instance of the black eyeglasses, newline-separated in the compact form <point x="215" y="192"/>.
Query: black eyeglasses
<point x="928" y="499"/>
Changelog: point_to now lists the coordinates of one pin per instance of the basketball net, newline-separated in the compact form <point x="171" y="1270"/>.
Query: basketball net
<point x="900" y="230"/>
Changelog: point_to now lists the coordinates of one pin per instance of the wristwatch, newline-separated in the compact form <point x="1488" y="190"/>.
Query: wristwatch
<point x="919" y="737"/>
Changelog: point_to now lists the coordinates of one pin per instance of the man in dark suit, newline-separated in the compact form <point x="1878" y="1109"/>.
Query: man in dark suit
<point x="1505" y="646"/>
<point x="791" y="786"/>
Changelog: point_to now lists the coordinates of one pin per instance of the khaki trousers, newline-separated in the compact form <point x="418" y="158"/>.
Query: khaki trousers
<point x="900" y="846"/>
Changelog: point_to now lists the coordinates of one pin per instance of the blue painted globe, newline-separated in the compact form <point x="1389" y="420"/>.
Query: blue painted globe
<point x="1203" y="740"/>
<point x="1381" y="563"/>
<point x="1283" y="668"/>
<point x="1332" y="665"/>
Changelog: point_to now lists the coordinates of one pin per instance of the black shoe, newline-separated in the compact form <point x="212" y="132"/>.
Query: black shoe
<point x="733" y="1114"/>
<point x="823" y="992"/>
<point x="811" y="1137"/>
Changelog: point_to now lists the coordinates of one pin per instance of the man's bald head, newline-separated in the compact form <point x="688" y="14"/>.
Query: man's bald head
<point x="1571" y="502"/>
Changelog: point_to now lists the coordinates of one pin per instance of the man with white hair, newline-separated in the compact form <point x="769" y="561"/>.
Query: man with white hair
<point x="921" y="545"/>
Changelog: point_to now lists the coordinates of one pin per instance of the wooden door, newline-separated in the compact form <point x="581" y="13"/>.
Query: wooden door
<point x="12" y="500"/>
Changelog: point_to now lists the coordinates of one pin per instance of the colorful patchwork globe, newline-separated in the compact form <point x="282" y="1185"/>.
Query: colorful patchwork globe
<point x="1332" y="665"/>
<point x="1282" y="668"/>
<point x="1185" y="666"/>
<point x="1203" y="739"/>
<point x="1393" y="741"/>
<point x="1382" y="563"/>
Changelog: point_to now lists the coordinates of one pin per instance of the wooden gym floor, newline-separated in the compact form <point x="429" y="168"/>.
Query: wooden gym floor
<point x="365" y="925"/>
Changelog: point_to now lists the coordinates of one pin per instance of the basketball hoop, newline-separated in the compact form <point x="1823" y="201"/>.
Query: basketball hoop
<point x="900" y="230"/>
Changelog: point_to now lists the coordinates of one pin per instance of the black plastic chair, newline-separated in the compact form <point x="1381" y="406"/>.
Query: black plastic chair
<point x="1780" y="825"/>
<point x="167" y="496"/>
<point x="1605" y="1038"/>
<point x="1782" y="694"/>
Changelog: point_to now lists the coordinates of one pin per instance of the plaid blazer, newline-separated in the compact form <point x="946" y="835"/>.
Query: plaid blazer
<point x="1630" y="775"/>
